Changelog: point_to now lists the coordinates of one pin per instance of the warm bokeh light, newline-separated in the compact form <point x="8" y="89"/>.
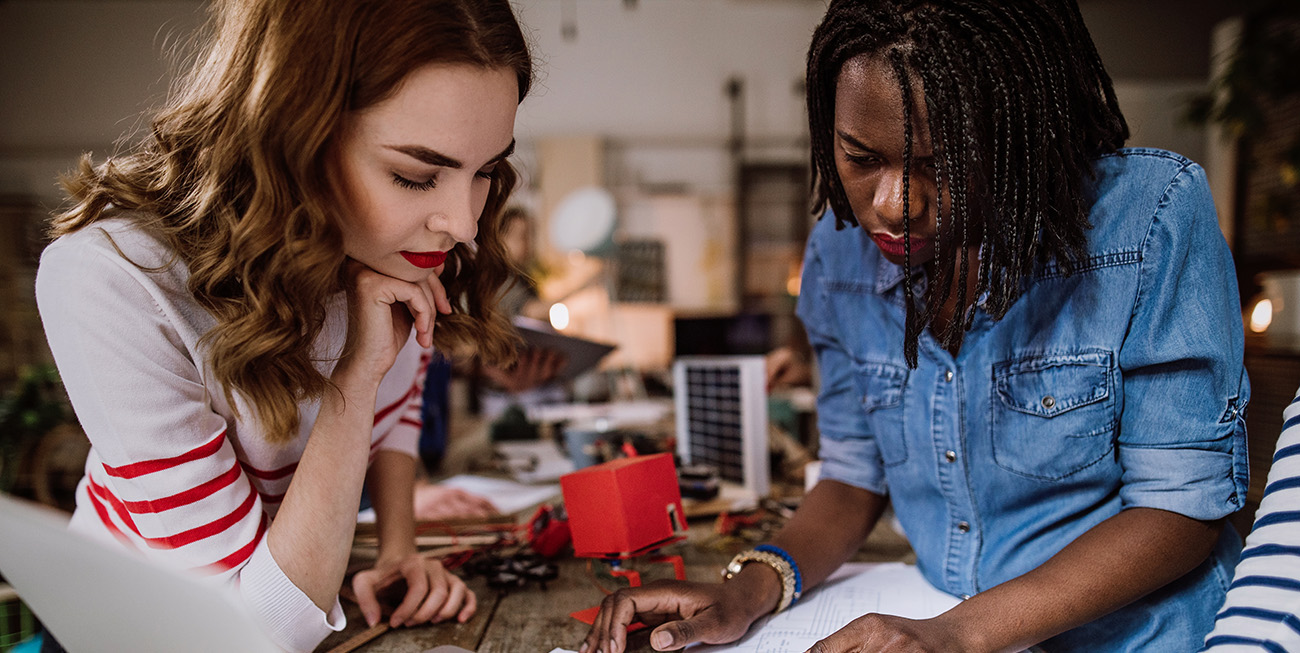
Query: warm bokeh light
<point x="559" y="316"/>
<point x="794" y="280"/>
<point x="1261" y="316"/>
<point x="792" y="285"/>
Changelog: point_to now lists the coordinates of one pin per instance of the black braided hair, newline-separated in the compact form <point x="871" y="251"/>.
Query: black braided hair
<point x="1018" y="104"/>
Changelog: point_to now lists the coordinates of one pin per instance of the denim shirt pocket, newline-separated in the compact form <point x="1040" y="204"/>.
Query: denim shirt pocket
<point x="882" y="400"/>
<point x="1053" y="414"/>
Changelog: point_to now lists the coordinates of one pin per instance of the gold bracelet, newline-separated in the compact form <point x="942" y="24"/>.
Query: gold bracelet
<point x="776" y="562"/>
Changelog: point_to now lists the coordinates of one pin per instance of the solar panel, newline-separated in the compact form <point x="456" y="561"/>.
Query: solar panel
<point x="721" y="407"/>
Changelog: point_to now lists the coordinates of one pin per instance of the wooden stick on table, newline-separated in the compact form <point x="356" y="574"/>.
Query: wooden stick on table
<point x="362" y="638"/>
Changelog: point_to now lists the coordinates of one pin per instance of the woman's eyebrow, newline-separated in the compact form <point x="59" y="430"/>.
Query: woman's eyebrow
<point x="844" y="136"/>
<point x="435" y="158"/>
<point x="426" y="155"/>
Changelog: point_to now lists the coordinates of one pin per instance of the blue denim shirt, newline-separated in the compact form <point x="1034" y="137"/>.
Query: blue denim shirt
<point x="1118" y="386"/>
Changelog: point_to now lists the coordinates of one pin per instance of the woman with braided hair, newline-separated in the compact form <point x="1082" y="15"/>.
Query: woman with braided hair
<point x="1029" y="341"/>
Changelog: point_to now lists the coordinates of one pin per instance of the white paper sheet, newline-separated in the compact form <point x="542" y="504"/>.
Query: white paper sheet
<point x="854" y="590"/>
<point x="508" y="496"/>
<point x="534" y="461"/>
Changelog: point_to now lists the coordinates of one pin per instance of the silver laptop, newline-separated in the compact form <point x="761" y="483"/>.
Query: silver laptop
<point x="92" y="597"/>
<point x="96" y="598"/>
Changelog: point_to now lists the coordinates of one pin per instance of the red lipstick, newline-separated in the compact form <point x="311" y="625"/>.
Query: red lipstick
<point x="896" y="247"/>
<point x="424" y="259"/>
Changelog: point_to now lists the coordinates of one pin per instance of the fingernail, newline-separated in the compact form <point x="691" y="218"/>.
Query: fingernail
<point x="583" y="648"/>
<point x="611" y="645"/>
<point x="371" y="620"/>
<point x="661" y="640"/>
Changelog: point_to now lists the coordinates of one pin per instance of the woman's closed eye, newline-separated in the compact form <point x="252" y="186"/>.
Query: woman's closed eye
<point x="428" y="184"/>
<point x="863" y="160"/>
<point x="486" y="172"/>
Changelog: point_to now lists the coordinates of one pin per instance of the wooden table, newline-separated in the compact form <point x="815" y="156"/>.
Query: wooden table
<point x="536" y="620"/>
<point x="528" y="619"/>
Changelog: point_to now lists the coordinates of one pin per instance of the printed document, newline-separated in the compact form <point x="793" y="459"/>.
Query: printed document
<point x="853" y="590"/>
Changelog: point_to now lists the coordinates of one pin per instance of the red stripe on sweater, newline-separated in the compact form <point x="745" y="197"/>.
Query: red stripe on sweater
<point x="240" y="556"/>
<point x="184" y="537"/>
<point x="271" y="498"/>
<point x="207" y="530"/>
<point x="235" y="559"/>
<point x="100" y="492"/>
<point x="271" y="475"/>
<point x="143" y="467"/>
<point x="202" y="491"/>
<point x="388" y="410"/>
<point x="413" y="422"/>
<point x="107" y="520"/>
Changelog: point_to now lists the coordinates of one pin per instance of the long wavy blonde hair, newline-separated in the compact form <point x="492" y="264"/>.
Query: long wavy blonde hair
<point x="233" y="179"/>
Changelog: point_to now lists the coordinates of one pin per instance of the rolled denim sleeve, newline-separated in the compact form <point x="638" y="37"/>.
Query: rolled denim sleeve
<point x="848" y="450"/>
<point x="1182" y="443"/>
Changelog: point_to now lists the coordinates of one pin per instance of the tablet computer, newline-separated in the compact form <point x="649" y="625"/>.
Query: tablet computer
<point x="581" y="355"/>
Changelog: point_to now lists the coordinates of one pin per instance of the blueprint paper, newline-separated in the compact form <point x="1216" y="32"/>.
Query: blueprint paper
<point x="852" y="591"/>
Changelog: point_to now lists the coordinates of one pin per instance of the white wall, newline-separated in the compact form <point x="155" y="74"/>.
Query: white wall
<point x="75" y="75"/>
<point x="659" y="70"/>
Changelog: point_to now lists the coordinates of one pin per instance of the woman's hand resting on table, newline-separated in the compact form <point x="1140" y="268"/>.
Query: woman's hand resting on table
<point x="685" y="612"/>
<point x="688" y="613"/>
<point x="433" y="594"/>
<point x="882" y="633"/>
<point x="434" y="502"/>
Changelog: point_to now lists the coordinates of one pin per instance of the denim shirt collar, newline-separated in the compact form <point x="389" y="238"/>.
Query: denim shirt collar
<point x="888" y="275"/>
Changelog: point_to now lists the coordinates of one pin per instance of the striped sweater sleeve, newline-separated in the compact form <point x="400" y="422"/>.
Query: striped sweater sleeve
<point x="398" y="418"/>
<point x="1262" y="609"/>
<point x="163" y="477"/>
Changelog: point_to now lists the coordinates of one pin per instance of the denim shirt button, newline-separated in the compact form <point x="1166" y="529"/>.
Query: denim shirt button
<point x="963" y="527"/>
<point x="1049" y="401"/>
<point x="947" y="376"/>
<point x="950" y="456"/>
<point x="965" y="597"/>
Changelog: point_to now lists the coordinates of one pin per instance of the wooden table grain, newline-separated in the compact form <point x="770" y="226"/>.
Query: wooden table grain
<point x="530" y="619"/>
<point x="536" y="619"/>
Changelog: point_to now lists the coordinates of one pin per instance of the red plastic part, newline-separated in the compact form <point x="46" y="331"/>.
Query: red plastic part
<point x="625" y="506"/>
<point x="547" y="535"/>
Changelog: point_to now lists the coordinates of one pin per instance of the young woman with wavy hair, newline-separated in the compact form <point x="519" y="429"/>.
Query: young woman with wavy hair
<point x="242" y="306"/>
<point x="1029" y="345"/>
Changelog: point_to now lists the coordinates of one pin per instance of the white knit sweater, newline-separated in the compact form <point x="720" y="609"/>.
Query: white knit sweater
<point x="173" y="473"/>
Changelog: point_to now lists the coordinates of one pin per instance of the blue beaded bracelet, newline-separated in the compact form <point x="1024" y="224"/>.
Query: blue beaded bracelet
<point x="798" y="577"/>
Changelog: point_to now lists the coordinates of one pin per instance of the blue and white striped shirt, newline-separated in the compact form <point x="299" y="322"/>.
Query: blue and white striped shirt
<point x="1262" y="609"/>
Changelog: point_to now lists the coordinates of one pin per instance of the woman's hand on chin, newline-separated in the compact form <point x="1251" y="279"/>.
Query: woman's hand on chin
<point x="382" y="310"/>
